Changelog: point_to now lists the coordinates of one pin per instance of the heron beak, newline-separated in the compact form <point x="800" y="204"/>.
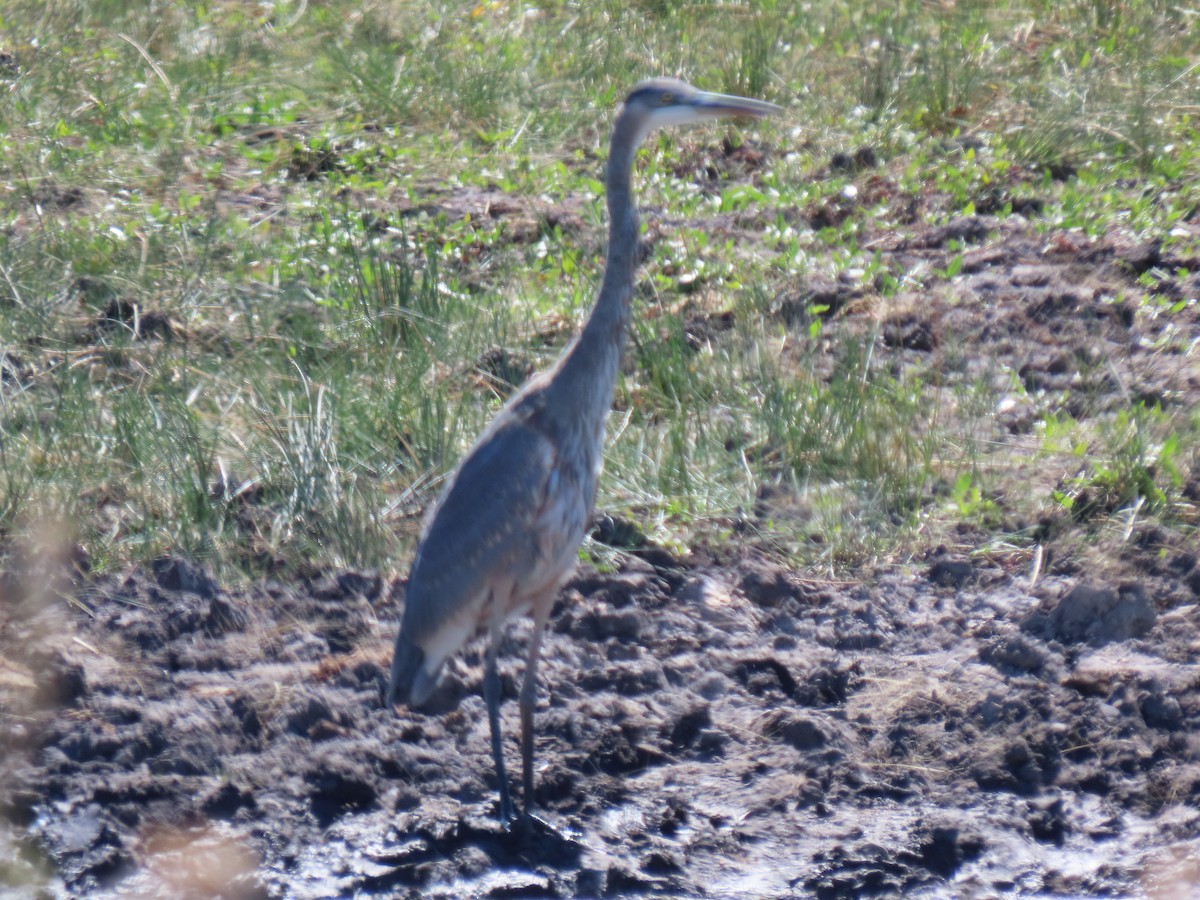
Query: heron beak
<point x="723" y="106"/>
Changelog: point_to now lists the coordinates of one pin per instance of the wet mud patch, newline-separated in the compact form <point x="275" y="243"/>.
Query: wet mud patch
<point x="740" y="731"/>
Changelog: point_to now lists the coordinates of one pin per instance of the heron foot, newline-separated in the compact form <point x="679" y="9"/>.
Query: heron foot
<point x="508" y="814"/>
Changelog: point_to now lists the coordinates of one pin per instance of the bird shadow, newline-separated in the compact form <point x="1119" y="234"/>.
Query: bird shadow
<point x="425" y="852"/>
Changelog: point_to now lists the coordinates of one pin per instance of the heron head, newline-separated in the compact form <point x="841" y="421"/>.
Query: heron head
<point x="662" y="102"/>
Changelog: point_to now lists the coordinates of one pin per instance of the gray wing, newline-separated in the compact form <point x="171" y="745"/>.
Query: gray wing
<point x="481" y="521"/>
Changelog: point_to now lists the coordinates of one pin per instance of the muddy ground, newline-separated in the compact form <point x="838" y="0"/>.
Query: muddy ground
<point x="723" y="732"/>
<point x="985" y="719"/>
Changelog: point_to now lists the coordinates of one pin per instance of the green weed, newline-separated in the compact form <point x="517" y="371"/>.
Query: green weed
<point x="251" y="302"/>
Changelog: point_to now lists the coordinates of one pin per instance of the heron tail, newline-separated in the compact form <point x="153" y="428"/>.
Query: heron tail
<point x="411" y="684"/>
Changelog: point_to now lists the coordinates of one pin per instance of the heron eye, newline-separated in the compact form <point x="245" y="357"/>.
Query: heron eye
<point x="667" y="98"/>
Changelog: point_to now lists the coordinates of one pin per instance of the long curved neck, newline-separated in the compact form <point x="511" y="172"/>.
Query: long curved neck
<point x="612" y="304"/>
<point x="588" y="370"/>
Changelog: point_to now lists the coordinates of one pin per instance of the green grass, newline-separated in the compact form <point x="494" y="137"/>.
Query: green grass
<point x="247" y="306"/>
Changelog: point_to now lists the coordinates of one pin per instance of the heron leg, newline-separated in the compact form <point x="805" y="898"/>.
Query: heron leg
<point x="528" y="702"/>
<point x="491" y="696"/>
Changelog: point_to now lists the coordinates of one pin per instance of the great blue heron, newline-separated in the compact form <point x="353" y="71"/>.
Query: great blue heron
<point x="506" y="530"/>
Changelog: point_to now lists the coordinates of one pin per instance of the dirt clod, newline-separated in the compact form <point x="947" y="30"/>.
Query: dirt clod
<point x="1097" y="614"/>
<point x="176" y="574"/>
